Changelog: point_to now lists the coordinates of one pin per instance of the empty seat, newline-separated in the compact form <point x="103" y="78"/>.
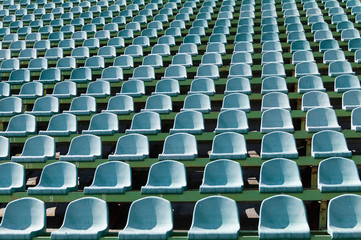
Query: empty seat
<point x="351" y="99"/>
<point x="207" y="71"/>
<point x="310" y="83"/>
<point x="271" y="57"/>
<point x="342" y="217"/>
<point x="302" y="56"/>
<point x="275" y="100"/>
<point x="337" y="68"/>
<point x="65" y="89"/>
<point x="166" y="177"/>
<point x="278" y="144"/>
<point x="281" y="217"/>
<point x="232" y="121"/>
<point x="188" y="122"/>
<point x="82" y="148"/>
<point x="110" y="178"/>
<point x="159" y="103"/>
<point x="306" y="69"/>
<point x="83" y="105"/>
<point x="179" y="146"/>
<point x="280" y="175"/>
<point x="276" y="119"/>
<point x="329" y="143"/>
<point x="23" y="218"/>
<point x="177" y="72"/>
<point x="50" y="75"/>
<point x="149" y="217"/>
<point x="134" y="88"/>
<point x="240" y="70"/>
<point x="57" y="178"/>
<point x="222" y="176"/>
<point x="98" y="89"/>
<point x="355" y="119"/>
<point x="121" y="104"/>
<point x="95" y="63"/>
<point x="10" y="106"/>
<point x="318" y="119"/>
<point x="228" y="145"/>
<point x="37" y="149"/>
<point x="242" y="57"/>
<point x="85" y="218"/>
<point x="31" y="90"/>
<point x="103" y="124"/>
<point x="144" y="73"/>
<point x="238" y="85"/>
<point x="338" y="174"/>
<point x="124" y="62"/>
<point x="12" y="174"/>
<point x="131" y="147"/>
<point x="274" y="84"/>
<point x="197" y="102"/>
<point x="145" y="123"/>
<point x="61" y="125"/>
<point x="203" y="86"/>
<point x="9" y="65"/>
<point x="238" y="101"/>
<point x="45" y="106"/>
<point x="314" y="99"/>
<point x="134" y="51"/>
<point x="81" y="75"/>
<point x="168" y="87"/>
<point x="20" y="125"/>
<point x="153" y="60"/>
<point x="349" y="34"/>
<point x="215" y="217"/>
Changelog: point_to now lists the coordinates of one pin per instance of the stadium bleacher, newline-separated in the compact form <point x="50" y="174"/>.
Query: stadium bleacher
<point x="180" y="119"/>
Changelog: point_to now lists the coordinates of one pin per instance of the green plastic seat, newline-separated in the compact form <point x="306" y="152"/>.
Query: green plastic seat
<point x="280" y="175"/>
<point x="342" y="217"/>
<point x="23" y="218"/>
<point x="329" y="143"/>
<point x="121" y="104"/>
<point x="166" y="177"/>
<point x="85" y="218"/>
<point x="61" y="125"/>
<point x="56" y="178"/>
<point x="83" y="105"/>
<point x="10" y="106"/>
<point x="276" y="119"/>
<point x="338" y="174"/>
<point x="20" y="125"/>
<point x="215" y="217"/>
<point x="37" y="149"/>
<point x="318" y="119"/>
<point x="148" y="218"/>
<point x="131" y="147"/>
<point x="45" y="106"/>
<point x="103" y="124"/>
<point x="278" y="144"/>
<point x="228" y="145"/>
<point x="83" y="148"/>
<point x="281" y="217"/>
<point x="222" y="176"/>
<point x="111" y="178"/>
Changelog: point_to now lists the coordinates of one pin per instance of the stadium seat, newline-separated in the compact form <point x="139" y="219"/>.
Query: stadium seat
<point x="83" y="105"/>
<point x="242" y="57"/>
<point x="240" y="70"/>
<point x="45" y="106"/>
<point x="144" y="73"/>
<point x="12" y="174"/>
<point x="283" y="216"/>
<point x="271" y="57"/>
<point x="347" y="82"/>
<point x="149" y="217"/>
<point x="238" y="85"/>
<point x="168" y="87"/>
<point x="275" y="100"/>
<point x="61" y="125"/>
<point x="222" y="176"/>
<point x="85" y="218"/>
<point x="37" y="149"/>
<point x="197" y="102"/>
<point x="145" y="123"/>
<point x="329" y="143"/>
<point x="276" y="119"/>
<point x="179" y="146"/>
<point x="274" y="84"/>
<point x="310" y="83"/>
<point x="338" y="68"/>
<point x="280" y="175"/>
<point x="56" y="178"/>
<point x="232" y="121"/>
<point x="131" y="147"/>
<point x="121" y="104"/>
<point x="342" y="222"/>
<point x="277" y="145"/>
<point x="23" y="218"/>
<point x="318" y="119"/>
<point x="98" y="89"/>
<point x="103" y="124"/>
<point x="188" y="122"/>
<point x="302" y="56"/>
<point x="82" y="148"/>
<point x="159" y="103"/>
<point x="111" y="178"/>
<point x="81" y="75"/>
<point x="177" y="72"/>
<point x="20" y="125"/>
<point x="30" y="90"/>
<point x="238" y="101"/>
<point x="228" y="145"/>
<point x="10" y="106"/>
<point x="202" y="86"/>
<point x="300" y="45"/>
<point x="164" y="177"/>
<point x="351" y="99"/>
<point x="134" y="88"/>
<point x="338" y="174"/>
<point x="153" y="60"/>
<point x="65" y="89"/>
<point x="215" y="217"/>
<point x="50" y="75"/>
<point x="305" y="69"/>
<point x="315" y="99"/>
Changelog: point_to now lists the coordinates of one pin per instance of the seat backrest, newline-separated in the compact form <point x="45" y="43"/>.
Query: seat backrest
<point x="39" y="146"/>
<point x="132" y="144"/>
<point x="104" y="121"/>
<point x="47" y="103"/>
<point x="166" y="173"/>
<point x="112" y="174"/>
<point x="22" y="122"/>
<point x="86" y="144"/>
<point x="83" y="103"/>
<point x="63" y="122"/>
<point x="146" y="120"/>
<point x="12" y="174"/>
<point x="229" y="142"/>
<point x="11" y="104"/>
<point x="221" y="172"/>
<point x="59" y="174"/>
<point x="189" y="120"/>
<point x="180" y="143"/>
<point x="279" y="171"/>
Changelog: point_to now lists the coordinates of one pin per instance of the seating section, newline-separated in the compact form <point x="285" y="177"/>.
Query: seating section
<point x="125" y="116"/>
